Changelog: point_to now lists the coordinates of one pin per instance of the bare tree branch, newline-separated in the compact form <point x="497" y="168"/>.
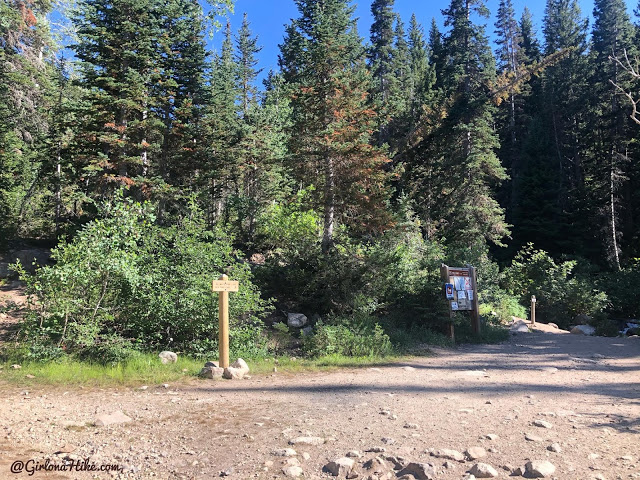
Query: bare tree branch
<point x="627" y="65"/>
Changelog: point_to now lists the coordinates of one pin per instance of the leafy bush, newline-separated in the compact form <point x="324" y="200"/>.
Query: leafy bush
<point x="126" y="283"/>
<point x="560" y="294"/>
<point x="623" y="291"/>
<point x="359" y="336"/>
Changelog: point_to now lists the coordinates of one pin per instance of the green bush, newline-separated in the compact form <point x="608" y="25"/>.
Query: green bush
<point x="560" y="293"/>
<point x="125" y="283"/>
<point x="623" y="290"/>
<point x="359" y="336"/>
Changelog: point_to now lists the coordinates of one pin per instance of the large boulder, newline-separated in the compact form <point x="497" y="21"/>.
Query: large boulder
<point x="240" y="364"/>
<point x="519" y="326"/>
<point x="168" y="357"/>
<point x="582" y="319"/>
<point x="296" y="320"/>
<point x="583" y="330"/>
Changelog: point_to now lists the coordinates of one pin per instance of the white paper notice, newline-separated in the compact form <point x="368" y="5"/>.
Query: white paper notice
<point x="470" y="294"/>
<point x="454" y="305"/>
<point x="461" y="295"/>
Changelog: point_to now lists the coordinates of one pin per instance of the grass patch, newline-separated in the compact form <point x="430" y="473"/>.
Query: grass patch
<point x="146" y="369"/>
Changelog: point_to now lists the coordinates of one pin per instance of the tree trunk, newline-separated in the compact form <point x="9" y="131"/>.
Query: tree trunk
<point x="329" y="205"/>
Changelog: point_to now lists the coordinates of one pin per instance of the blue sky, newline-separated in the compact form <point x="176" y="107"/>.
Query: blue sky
<point x="268" y="17"/>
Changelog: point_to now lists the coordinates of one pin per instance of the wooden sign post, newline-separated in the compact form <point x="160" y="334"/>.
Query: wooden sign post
<point x="461" y="292"/>
<point x="223" y="286"/>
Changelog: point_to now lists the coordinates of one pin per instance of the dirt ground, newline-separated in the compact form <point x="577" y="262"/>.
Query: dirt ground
<point x="586" y="388"/>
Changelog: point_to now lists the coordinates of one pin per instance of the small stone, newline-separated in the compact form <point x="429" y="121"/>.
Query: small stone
<point x="552" y="325"/>
<point x="376" y="465"/>
<point x="388" y="441"/>
<point x="532" y="438"/>
<point x="226" y="473"/>
<point x="340" y="466"/>
<point x="292" y="471"/>
<point x="376" y="450"/>
<point x="421" y="471"/>
<point x="448" y="465"/>
<point x="268" y="463"/>
<point x="354" y="454"/>
<point x="491" y="436"/>
<point x="555" y="447"/>
<point x="296" y="320"/>
<point x="15" y="366"/>
<point x="306" y="456"/>
<point x="307" y="441"/>
<point x="30" y="376"/>
<point x="593" y="456"/>
<point x="599" y="476"/>
<point x="549" y="369"/>
<point x="143" y="387"/>
<point x="628" y="458"/>
<point x="518" y="472"/>
<point x="449" y="455"/>
<point x="240" y="364"/>
<point x="112" y="419"/>
<point x="483" y="470"/>
<point x="284" y="452"/>
<point x="211" y="372"/>
<point x="212" y="364"/>
<point x="583" y="330"/>
<point x="232" y="373"/>
<point x="165" y="385"/>
<point x="539" y="469"/>
<point x="411" y="426"/>
<point x="168" y="357"/>
<point x="542" y="424"/>
<point x="475" y="453"/>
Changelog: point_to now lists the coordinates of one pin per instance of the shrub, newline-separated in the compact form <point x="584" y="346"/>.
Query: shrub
<point x="126" y="283"/>
<point x="560" y="294"/>
<point x="358" y="336"/>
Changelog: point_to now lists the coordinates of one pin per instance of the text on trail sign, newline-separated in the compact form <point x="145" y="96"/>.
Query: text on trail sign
<point x="225" y="286"/>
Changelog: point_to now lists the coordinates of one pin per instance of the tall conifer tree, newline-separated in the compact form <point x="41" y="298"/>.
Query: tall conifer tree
<point x="323" y="62"/>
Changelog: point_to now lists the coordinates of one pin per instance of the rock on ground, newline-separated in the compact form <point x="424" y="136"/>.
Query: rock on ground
<point x="292" y="471"/>
<point x="211" y="372"/>
<point x="340" y="467"/>
<point x="232" y="373"/>
<point x="168" y="357"/>
<point x="583" y="330"/>
<point x="296" y="320"/>
<point x="449" y="455"/>
<point x="483" y="470"/>
<point x="240" y="364"/>
<point x="111" y="419"/>
<point x="306" y="441"/>
<point x="421" y="471"/>
<point x="539" y="469"/>
<point x="519" y="326"/>
<point x="475" y="453"/>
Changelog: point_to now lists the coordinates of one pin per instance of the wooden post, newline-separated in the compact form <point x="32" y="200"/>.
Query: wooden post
<point x="223" y="329"/>
<point x="533" y="309"/>
<point x="444" y="274"/>
<point x="475" y="311"/>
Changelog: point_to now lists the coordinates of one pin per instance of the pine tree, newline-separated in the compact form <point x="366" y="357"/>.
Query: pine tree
<point x="383" y="63"/>
<point x="27" y="81"/>
<point x="611" y="131"/>
<point x="223" y="131"/>
<point x="454" y="168"/>
<point x="246" y="50"/>
<point x="422" y="75"/>
<point x="564" y="114"/>
<point x="323" y="62"/>
<point x="436" y="53"/>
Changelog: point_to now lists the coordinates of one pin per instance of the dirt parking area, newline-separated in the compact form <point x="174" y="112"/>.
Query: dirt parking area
<point x="545" y="396"/>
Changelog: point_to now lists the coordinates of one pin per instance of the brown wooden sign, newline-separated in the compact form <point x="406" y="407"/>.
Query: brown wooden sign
<point x="461" y="292"/>
<point x="225" y="286"/>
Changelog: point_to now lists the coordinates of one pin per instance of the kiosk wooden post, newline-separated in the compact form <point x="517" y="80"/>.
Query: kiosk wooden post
<point x="444" y="274"/>
<point x="223" y="286"/>
<point x="533" y="309"/>
<point x="475" y="311"/>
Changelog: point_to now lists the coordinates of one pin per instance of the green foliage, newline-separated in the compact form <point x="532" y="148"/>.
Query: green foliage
<point x="357" y="336"/>
<point x="623" y="291"/>
<point x="126" y="283"/>
<point x="560" y="293"/>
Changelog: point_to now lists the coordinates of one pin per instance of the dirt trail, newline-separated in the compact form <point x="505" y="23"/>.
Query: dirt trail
<point x="587" y="388"/>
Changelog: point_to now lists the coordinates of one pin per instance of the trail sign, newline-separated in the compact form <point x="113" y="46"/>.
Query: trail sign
<point x="461" y="292"/>
<point x="223" y="286"/>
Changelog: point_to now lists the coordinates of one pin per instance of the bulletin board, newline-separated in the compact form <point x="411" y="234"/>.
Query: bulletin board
<point x="461" y="292"/>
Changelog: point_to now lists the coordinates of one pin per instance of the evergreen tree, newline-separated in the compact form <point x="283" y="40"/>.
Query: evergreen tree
<point x="454" y="169"/>
<point x="422" y="75"/>
<point x="436" y="52"/>
<point x="564" y="116"/>
<point x="222" y="131"/>
<point x="323" y="62"/>
<point x="383" y="63"/>
<point x="611" y="131"/>
<point x="246" y="50"/>
<point x="27" y="83"/>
